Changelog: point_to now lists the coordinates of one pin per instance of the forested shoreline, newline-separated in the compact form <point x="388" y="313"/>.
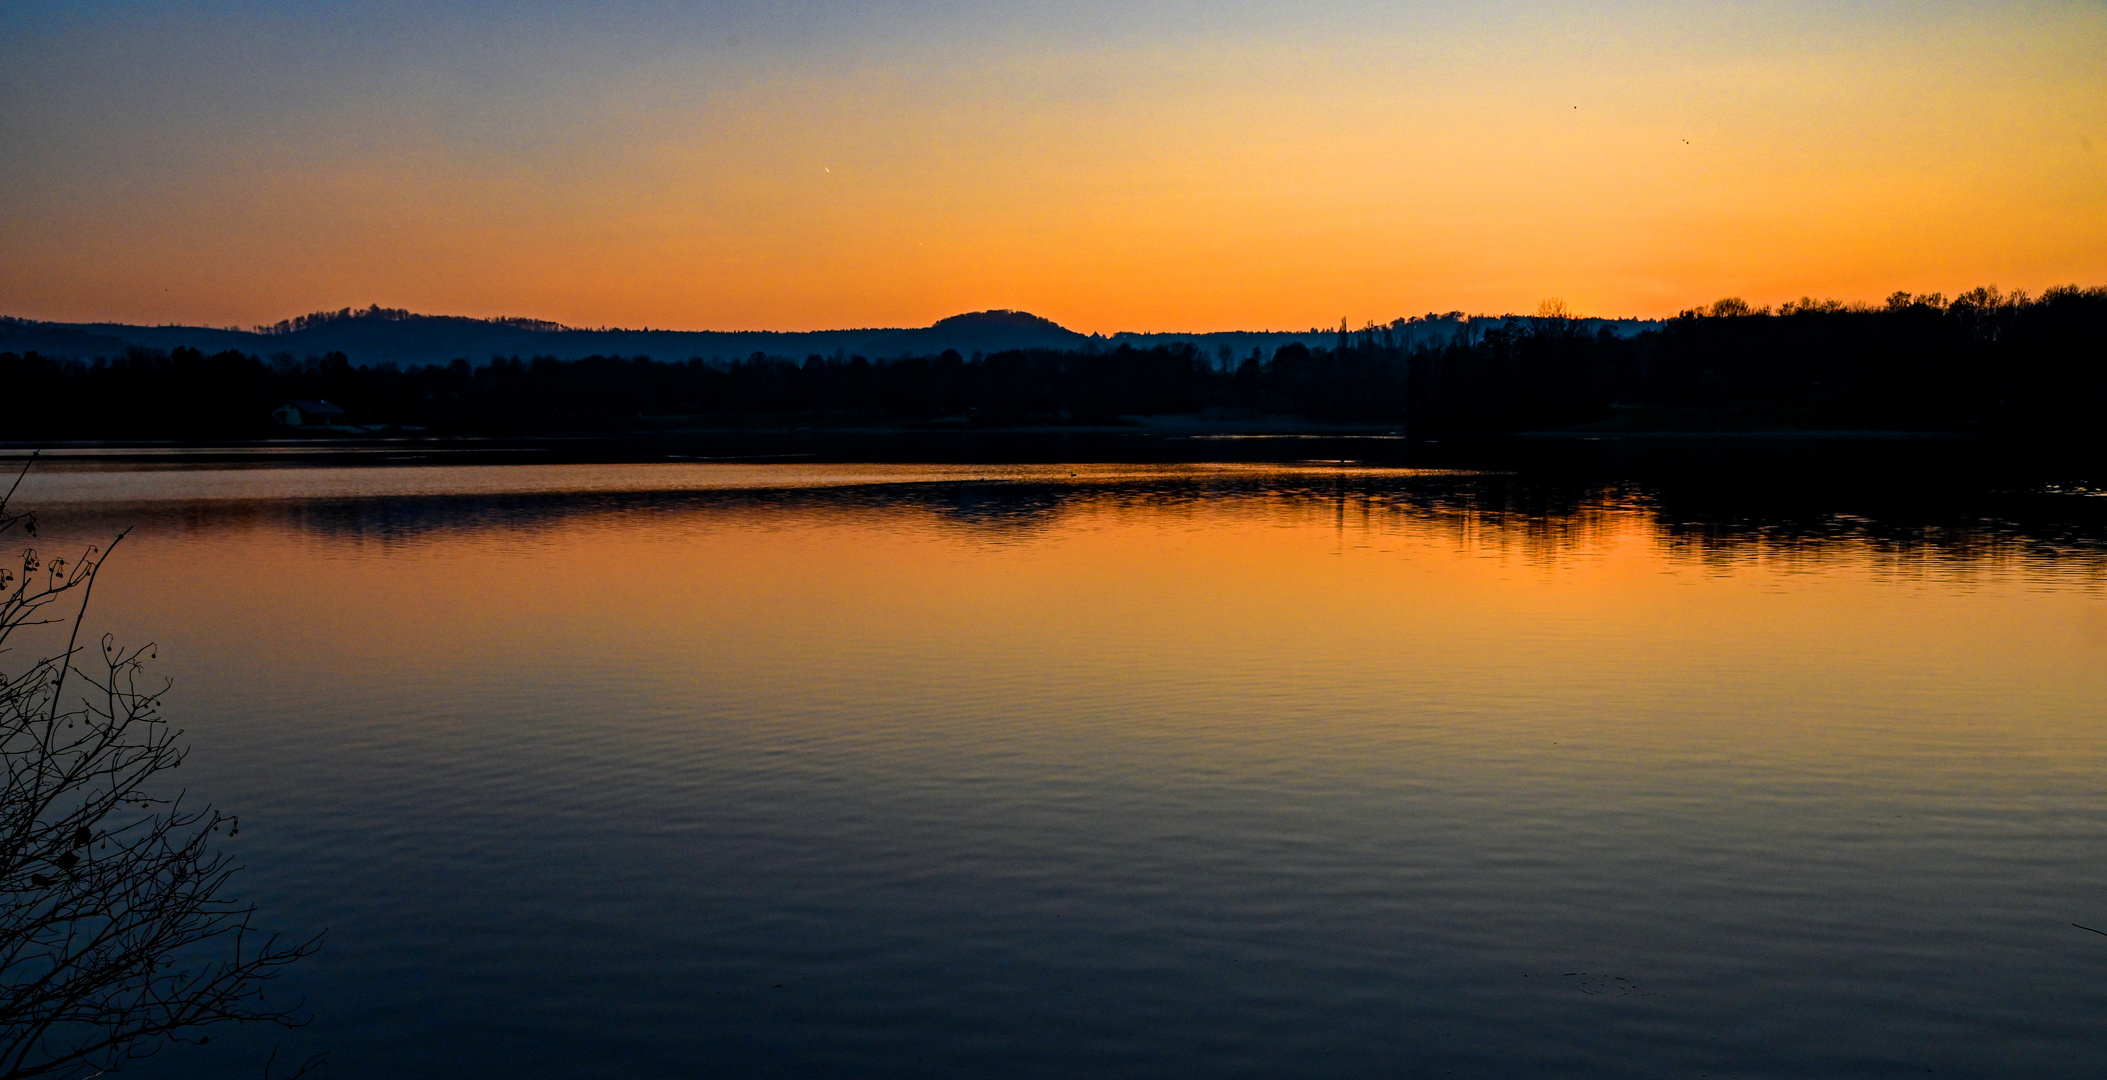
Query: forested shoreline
<point x="1988" y="361"/>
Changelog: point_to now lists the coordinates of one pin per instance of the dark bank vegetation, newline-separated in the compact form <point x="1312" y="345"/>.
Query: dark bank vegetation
<point x="118" y="935"/>
<point x="1985" y="360"/>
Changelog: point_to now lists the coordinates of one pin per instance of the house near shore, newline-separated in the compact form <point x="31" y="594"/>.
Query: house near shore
<point x="308" y="414"/>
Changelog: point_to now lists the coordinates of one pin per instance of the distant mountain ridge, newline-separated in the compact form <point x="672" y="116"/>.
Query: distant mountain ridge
<point x="377" y="335"/>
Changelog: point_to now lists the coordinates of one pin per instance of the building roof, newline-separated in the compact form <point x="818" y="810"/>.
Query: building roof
<point x="319" y="408"/>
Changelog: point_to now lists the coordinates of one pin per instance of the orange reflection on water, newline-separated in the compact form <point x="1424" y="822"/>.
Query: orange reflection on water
<point x="1302" y="621"/>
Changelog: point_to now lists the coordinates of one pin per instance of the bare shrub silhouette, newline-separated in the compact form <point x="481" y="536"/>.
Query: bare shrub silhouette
<point x="117" y="937"/>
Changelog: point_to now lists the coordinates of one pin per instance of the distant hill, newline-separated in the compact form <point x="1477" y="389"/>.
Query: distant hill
<point x="377" y="335"/>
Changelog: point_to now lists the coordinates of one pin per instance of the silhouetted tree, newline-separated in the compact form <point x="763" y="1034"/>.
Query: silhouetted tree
<point x="1986" y="359"/>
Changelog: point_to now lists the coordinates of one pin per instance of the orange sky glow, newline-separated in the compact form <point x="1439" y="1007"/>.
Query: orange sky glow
<point x="1160" y="171"/>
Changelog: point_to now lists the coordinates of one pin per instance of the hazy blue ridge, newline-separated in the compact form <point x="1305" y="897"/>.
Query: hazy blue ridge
<point x="56" y="339"/>
<point x="377" y="337"/>
<point x="381" y="336"/>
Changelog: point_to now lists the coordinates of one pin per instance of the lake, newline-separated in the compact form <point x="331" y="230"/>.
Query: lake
<point x="1401" y="765"/>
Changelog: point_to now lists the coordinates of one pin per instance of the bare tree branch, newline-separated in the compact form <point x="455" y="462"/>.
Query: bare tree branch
<point x="117" y="935"/>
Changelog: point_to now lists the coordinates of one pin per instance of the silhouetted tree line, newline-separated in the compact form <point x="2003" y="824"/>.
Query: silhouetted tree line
<point x="1985" y="359"/>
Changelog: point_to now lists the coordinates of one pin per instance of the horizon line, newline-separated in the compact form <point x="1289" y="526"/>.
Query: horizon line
<point x="534" y="324"/>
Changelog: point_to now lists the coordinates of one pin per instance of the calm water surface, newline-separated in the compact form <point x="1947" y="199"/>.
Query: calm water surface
<point x="1131" y="771"/>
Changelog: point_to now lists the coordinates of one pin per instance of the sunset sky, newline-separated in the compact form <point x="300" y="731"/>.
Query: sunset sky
<point x="1110" y="164"/>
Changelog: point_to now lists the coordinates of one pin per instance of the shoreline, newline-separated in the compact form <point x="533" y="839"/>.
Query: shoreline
<point x="1164" y="428"/>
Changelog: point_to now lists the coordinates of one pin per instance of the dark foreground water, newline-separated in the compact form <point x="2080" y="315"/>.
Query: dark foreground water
<point x="1248" y="770"/>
